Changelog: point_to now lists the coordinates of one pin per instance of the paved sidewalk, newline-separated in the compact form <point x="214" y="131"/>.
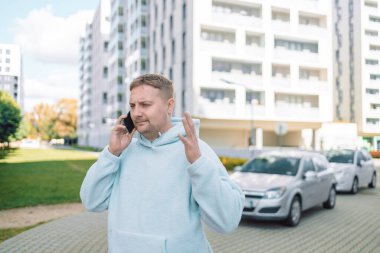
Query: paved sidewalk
<point x="352" y="226"/>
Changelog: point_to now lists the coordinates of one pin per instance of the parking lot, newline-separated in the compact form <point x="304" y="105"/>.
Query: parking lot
<point x="352" y="226"/>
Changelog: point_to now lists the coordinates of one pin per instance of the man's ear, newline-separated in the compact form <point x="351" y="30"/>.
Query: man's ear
<point x="171" y="104"/>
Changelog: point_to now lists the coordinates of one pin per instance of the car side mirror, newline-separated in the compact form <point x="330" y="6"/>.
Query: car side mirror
<point x="237" y="168"/>
<point x="309" y="175"/>
<point x="361" y="163"/>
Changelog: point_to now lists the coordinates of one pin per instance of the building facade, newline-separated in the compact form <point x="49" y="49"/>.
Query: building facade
<point x="11" y="74"/>
<point x="247" y="68"/>
<point x="92" y="115"/>
<point x="357" y="68"/>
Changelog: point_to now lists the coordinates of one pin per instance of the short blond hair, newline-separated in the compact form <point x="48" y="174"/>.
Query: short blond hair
<point x="155" y="80"/>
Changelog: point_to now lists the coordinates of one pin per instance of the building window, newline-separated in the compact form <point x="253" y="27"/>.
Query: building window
<point x="173" y="51"/>
<point x="216" y="95"/>
<point x="120" y="11"/>
<point x="105" y="46"/>
<point x="119" y="97"/>
<point x="155" y="12"/>
<point x="119" y="80"/>
<point x="143" y="65"/>
<point x="8" y="51"/>
<point x="7" y="60"/>
<point x="164" y="7"/>
<point x="120" y="28"/>
<point x="171" y="73"/>
<point x="143" y="21"/>
<point x="183" y="11"/>
<point x="143" y="42"/>
<point x="184" y="69"/>
<point x="105" y="72"/>
<point x="163" y="57"/>
<point x="162" y="31"/>
<point x="120" y="45"/>
<point x="120" y="63"/>
<point x="184" y="40"/>
<point x="105" y="97"/>
<point x="171" y="23"/>
<point x="371" y="62"/>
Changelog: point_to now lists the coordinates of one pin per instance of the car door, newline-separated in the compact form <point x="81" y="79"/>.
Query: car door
<point x="361" y="168"/>
<point x="324" y="177"/>
<point x="309" y="186"/>
<point x="369" y="167"/>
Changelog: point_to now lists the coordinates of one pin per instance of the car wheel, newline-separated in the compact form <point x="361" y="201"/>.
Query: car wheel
<point x="294" y="215"/>
<point x="373" y="181"/>
<point x="355" y="186"/>
<point x="330" y="202"/>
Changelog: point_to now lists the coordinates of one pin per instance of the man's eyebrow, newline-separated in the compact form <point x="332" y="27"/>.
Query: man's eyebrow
<point x="143" y="101"/>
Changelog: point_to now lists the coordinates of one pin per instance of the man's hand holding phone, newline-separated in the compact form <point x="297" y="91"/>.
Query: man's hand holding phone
<point x="120" y="136"/>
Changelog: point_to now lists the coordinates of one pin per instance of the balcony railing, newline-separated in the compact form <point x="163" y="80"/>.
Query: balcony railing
<point x="238" y="77"/>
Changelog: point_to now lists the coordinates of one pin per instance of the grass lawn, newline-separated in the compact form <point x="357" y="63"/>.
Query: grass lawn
<point x="30" y="177"/>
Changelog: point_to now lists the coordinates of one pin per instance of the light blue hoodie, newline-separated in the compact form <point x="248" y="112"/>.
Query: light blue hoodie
<point x="156" y="199"/>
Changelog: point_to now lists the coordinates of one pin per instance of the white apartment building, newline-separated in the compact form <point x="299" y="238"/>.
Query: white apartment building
<point x="92" y="117"/>
<point x="11" y="75"/>
<point x="357" y="68"/>
<point x="113" y="52"/>
<point x="250" y="64"/>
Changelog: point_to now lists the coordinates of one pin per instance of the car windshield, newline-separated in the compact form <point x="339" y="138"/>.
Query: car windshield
<point x="340" y="156"/>
<point x="273" y="165"/>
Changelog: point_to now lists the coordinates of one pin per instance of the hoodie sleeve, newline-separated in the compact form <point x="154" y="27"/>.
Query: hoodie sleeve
<point x="220" y="200"/>
<point x="97" y="184"/>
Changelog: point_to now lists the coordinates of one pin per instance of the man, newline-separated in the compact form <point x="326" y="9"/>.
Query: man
<point x="158" y="186"/>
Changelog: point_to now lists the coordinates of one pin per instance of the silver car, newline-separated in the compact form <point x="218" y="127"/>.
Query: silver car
<point x="279" y="185"/>
<point x="353" y="168"/>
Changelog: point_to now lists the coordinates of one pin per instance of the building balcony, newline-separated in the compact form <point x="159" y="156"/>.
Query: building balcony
<point x="238" y="78"/>
<point x="282" y="53"/>
<point x="312" y="84"/>
<point x="217" y="109"/>
<point x="237" y="20"/>
<point x="374" y="83"/>
<point x="281" y="81"/>
<point x="372" y="128"/>
<point x="374" y="112"/>
<point x="280" y="26"/>
<point x="218" y="47"/>
<point x="299" y="112"/>
<point x="312" y="30"/>
<point x="258" y="110"/>
<point x="372" y="97"/>
<point x="311" y="5"/>
<point x="255" y="51"/>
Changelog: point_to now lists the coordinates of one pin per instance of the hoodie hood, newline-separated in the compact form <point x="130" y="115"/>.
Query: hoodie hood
<point x="169" y="136"/>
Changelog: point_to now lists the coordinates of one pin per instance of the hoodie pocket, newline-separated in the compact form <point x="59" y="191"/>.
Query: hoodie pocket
<point x="128" y="242"/>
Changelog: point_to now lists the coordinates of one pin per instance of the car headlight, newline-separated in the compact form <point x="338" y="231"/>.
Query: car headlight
<point x="275" y="193"/>
<point x="343" y="173"/>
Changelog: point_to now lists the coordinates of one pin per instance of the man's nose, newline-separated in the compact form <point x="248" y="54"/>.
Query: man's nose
<point x="137" y="111"/>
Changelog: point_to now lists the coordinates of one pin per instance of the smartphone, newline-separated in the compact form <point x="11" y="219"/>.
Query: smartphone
<point x="129" y="123"/>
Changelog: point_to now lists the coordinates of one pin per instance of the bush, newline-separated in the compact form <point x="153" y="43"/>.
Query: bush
<point x="230" y="162"/>
<point x="375" y="154"/>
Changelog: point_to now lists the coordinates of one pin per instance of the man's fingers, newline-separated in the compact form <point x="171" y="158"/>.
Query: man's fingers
<point x="184" y="140"/>
<point x="119" y="120"/>
<point x="189" y="125"/>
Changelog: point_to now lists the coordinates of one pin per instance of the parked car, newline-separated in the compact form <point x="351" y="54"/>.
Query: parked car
<point x="279" y="185"/>
<point x="353" y="168"/>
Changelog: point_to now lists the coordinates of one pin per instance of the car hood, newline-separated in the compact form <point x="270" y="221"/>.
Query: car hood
<point x="338" y="167"/>
<point x="260" y="181"/>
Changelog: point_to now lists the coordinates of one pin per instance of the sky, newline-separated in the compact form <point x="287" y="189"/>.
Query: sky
<point x="48" y="34"/>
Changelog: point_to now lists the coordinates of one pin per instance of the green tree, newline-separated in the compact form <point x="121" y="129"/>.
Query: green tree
<point x="10" y="117"/>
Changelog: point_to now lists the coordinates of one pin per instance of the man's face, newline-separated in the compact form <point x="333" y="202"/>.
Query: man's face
<point x="150" y="111"/>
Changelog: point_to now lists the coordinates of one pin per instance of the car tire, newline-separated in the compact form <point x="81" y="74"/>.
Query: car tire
<point x="295" y="211"/>
<point x="355" y="186"/>
<point x="330" y="202"/>
<point x="372" y="184"/>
